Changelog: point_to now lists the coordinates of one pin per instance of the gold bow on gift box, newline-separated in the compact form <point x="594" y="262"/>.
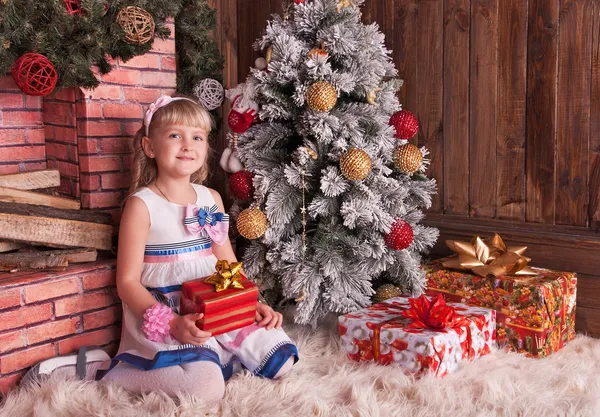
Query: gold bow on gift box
<point x="227" y="276"/>
<point x="488" y="257"/>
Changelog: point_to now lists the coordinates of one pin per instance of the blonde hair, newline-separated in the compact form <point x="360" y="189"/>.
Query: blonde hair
<point x="144" y="170"/>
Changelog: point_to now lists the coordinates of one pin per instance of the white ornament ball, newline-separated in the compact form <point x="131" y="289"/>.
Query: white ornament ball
<point x="260" y="63"/>
<point x="210" y="93"/>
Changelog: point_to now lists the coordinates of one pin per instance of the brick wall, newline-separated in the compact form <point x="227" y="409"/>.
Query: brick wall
<point x="21" y="130"/>
<point x="59" y="115"/>
<point x="47" y="314"/>
<point x="109" y="116"/>
<point x="87" y="136"/>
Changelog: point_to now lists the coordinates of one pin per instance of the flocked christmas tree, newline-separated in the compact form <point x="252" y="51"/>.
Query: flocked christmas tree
<point x="341" y="187"/>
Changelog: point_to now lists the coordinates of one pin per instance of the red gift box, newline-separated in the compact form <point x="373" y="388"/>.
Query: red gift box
<point x="226" y="310"/>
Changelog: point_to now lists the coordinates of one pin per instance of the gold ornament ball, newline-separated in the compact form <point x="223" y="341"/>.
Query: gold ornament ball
<point x="252" y="223"/>
<point x="386" y="291"/>
<point x="137" y="24"/>
<point x="321" y="96"/>
<point x="408" y="158"/>
<point x="355" y="164"/>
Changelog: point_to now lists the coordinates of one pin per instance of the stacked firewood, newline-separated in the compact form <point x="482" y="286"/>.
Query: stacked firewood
<point x="40" y="230"/>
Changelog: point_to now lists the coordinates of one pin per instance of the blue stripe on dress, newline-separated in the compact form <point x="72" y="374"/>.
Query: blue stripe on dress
<point x="165" y="290"/>
<point x="275" y="359"/>
<point x="167" y="358"/>
<point x="166" y="252"/>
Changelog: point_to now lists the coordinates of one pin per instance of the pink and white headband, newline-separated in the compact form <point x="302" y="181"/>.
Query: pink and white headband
<point x="162" y="101"/>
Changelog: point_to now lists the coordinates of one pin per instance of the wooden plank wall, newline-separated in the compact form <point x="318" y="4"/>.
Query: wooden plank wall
<point x="508" y="96"/>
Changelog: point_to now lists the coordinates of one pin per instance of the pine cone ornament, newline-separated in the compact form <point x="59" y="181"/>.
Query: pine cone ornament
<point x="400" y="237"/>
<point x="240" y="185"/>
<point x="252" y="223"/>
<point x="405" y="123"/>
<point x="355" y="164"/>
<point x="408" y="158"/>
<point x="321" y="96"/>
<point x="386" y="291"/>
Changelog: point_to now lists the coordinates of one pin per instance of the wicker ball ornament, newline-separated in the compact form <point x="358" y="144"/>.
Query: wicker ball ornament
<point x="209" y="93"/>
<point x="405" y="123"/>
<point x="252" y="223"/>
<point x="73" y="7"/>
<point x="408" y="158"/>
<point x="137" y="24"/>
<point x="400" y="237"/>
<point x="385" y="292"/>
<point x="355" y="164"/>
<point x="34" y="74"/>
<point x="321" y="96"/>
<point x="240" y="185"/>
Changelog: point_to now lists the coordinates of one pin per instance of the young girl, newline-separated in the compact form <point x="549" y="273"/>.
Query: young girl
<point x="173" y="230"/>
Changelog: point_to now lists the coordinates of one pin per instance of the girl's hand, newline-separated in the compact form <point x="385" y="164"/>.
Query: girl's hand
<point x="184" y="329"/>
<point x="266" y="316"/>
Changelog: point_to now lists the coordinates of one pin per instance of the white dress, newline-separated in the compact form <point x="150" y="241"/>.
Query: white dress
<point x="172" y="256"/>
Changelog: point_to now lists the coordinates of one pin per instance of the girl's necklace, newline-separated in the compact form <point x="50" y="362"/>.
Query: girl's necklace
<point x="158" y="188"/>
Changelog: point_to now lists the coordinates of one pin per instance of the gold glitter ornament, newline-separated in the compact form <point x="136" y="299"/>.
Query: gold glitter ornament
<point x="385" y="292"/>
<point x="252" y="223"/>
<point x="355" y="164"/>
<point x="408" y="158"/>
<point x="321" y="96"/>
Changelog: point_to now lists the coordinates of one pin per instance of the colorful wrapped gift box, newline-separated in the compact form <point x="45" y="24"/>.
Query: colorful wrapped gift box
<point x="383" y="333"/>
<point x="227" y="299"/>
<point x="536" y="314"/>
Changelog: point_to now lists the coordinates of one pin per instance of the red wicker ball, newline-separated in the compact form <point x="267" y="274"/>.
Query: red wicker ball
<point x="400" y="237"/>
<point x="73" y="6"/>
<point x="405" y="123"/>
<point x="34" y="74"/>
<point x="240" y="185"/>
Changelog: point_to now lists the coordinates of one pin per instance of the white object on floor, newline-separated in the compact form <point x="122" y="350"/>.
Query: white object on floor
<point x="49" y="365"/>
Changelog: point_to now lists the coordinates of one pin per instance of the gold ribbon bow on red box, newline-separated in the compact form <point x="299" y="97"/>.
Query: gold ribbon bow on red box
<point x="490" y="257"/>
<point x="227" y="275"/>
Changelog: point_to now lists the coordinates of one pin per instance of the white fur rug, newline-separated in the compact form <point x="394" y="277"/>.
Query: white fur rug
<point x="325" y="383"/>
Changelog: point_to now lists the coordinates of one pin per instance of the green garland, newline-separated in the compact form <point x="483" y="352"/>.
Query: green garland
<point x="74" y="43"/>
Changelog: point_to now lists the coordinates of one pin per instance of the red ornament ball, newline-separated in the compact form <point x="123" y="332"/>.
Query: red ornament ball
<point x="73" y="6"/>
<point x="405" y="123"/>
<point x="299" y="1"/>
<point x="400" y="237"/>
<point x="34" y="74"/>
<point x="240" y="185"/>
